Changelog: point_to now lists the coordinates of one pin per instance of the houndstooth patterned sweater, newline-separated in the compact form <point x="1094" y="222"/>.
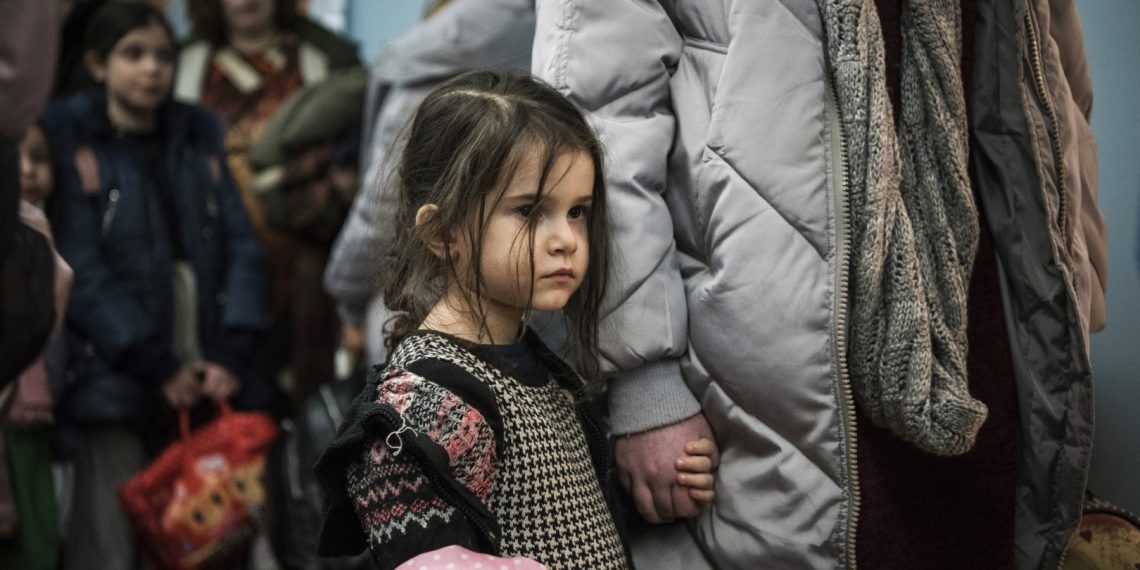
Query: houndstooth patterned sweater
<point x="462" y="452"/>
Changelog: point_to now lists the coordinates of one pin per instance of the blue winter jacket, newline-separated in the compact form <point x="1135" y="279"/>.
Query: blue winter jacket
<point x="110" y="227"/>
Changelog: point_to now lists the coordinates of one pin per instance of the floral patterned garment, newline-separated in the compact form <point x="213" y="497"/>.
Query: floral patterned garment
<point x="245" y="107"/>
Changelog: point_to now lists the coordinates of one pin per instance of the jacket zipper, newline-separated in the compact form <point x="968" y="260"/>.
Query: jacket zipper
<point x="391" y="419"/>
<point x="840" y="192"/>
<point x="1034" y="34"/>
<point x="109" y="212"/>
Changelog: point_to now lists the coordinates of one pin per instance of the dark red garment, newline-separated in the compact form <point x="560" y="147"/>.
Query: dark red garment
<point x="923" y="511"/>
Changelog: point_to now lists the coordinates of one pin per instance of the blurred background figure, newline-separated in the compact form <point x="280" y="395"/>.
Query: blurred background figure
<point x="243" y="60"/>
<point x="169" y="296"/>
<point x="33" y="288"/>
<point x="27" y="494"/>
<point x="455" y="37"/>
<point x="28" y="36"/>
<point x="26" y="423"/>
<point x="76" y="14"/>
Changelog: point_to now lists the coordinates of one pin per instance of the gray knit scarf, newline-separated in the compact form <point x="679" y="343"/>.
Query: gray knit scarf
<point x="913" y="222"/>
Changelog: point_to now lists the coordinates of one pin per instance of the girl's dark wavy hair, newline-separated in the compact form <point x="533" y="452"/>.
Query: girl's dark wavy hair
<point x="208" y="20"/>
<point x="117" y="19"/>
<point x="467" y="141"/>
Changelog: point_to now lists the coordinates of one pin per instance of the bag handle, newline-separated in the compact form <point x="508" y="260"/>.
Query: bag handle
<point x="224" y="409"/>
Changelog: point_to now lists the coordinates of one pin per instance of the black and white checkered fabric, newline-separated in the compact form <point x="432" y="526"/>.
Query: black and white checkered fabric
<point x="547" y="497"/>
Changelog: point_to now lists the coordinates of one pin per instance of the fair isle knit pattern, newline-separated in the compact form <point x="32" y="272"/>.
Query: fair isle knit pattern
<point x="546" y="496"/>
<point x="392" y="495"/>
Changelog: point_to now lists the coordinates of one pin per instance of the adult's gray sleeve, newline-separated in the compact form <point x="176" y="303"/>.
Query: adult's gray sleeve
<point x="352" y="276"/>
<point x="613" y="58"/>
<point x="463" y="36"/>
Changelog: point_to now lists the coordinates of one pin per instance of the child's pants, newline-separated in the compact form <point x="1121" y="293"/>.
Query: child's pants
<point x="99" y="534"/>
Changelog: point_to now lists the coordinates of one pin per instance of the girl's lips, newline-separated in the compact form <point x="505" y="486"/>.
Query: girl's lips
<point x="568" y="273"/>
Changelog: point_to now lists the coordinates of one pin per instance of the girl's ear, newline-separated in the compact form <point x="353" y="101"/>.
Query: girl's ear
<point x="434" y="243"/>
<point x="95" y="68"/>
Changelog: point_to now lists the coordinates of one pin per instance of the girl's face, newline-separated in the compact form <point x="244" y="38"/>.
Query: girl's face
<point x="35" y="167"/>
<point x="561" y="244"/>
<point x="248" y="16"/>
<point x="139" y="71"/>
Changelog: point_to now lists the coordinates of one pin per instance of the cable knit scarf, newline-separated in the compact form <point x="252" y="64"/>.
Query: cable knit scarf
<point x="913" y="222"/>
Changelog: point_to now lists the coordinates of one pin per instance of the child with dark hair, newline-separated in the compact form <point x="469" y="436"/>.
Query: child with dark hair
<point x="476" y="434"/>
<point x="169" y="296"/>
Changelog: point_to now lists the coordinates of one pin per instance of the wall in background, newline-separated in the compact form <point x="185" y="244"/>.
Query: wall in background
<point x="373" y="22"/>
<point x="1113" y="48"/>
<point x="370" y="23"/>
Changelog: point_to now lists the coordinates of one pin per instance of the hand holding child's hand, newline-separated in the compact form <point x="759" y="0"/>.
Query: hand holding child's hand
<point x="647" y="465"/>
<point x="694" y="469"/>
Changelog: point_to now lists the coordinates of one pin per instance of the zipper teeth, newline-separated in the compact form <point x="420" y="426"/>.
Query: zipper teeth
<point x="109" y="212"/>
<point x="1050" y="112"/>
<point x="847" y="404"/>
<point x="1054" y="129"/>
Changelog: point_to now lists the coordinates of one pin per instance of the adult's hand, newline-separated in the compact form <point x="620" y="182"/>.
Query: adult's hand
<point x="647" y="465"/>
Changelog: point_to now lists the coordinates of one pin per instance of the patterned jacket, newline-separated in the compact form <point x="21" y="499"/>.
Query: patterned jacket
<point x="448" y="445"/>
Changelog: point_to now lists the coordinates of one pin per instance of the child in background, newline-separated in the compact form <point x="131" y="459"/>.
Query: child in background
<point x="169" y="283"/>
<point x="35" y="167"/>
<point x="26" y="424"/>
<point x="476" y="434"/>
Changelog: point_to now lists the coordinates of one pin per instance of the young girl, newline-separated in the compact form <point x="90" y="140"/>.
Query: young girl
<point x="476" y="433"/>
<point x="169" y="292"/>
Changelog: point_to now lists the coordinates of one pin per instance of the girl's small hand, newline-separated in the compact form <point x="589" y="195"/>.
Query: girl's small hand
<point x="182" y="390"/>
<point x="219" y="384"/>
<point x="694" y="470"/>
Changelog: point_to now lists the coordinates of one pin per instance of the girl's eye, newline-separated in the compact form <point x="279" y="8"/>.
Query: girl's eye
<point x="578" y="213"/>
<point x="524" y="211"/>
<point x="132" y="53"/>
<point x="166" y="55"/>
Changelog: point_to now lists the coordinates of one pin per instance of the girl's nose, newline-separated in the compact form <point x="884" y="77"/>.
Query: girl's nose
<point x="562" y="238"/>
<point x="152" y="63"/>
<point x="27" y="167"/>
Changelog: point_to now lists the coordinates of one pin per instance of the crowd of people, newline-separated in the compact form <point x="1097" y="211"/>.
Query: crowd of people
<point x="668" y="285"/>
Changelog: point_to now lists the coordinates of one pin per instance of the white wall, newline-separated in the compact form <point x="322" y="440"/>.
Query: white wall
<point x="1113" y="47"/>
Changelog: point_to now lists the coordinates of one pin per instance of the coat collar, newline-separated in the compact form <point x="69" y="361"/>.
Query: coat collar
<point x="90" y="113"/>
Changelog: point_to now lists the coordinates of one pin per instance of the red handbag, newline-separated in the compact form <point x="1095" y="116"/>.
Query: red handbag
<point x="198" y="504"/>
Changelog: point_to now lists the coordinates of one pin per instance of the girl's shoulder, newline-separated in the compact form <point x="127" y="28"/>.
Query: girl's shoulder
<point x="433" y="378"/>
<point x="69" y="118"/>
